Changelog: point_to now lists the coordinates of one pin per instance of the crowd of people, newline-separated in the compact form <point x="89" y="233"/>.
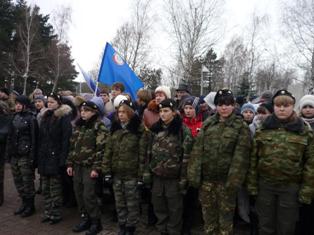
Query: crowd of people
<point x="205" y="162"/>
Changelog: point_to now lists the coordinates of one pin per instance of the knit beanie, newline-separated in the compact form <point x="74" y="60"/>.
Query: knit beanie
<point x="247" y="106"/>
<point x="165" y="90"/>
<point x="306" y="100"/>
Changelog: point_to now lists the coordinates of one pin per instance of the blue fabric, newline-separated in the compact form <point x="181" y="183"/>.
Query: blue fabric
<point x="89" y="81"/>
<point x="114" y="69"/>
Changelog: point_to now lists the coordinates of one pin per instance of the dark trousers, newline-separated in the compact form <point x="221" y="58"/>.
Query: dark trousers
<point x="277" y="208"/>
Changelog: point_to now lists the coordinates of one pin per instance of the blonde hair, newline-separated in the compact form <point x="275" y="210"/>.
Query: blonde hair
<point x="129" y="111"/>
<point x="283" y="100"/>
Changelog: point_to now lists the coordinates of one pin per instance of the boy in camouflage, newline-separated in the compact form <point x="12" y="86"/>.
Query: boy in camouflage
<point x="123" y="161"/>
<point x="218" y="164"/>
<point x="84" y="164"/>
<point x="281" y="169"/>
<point x="170" y="147"/>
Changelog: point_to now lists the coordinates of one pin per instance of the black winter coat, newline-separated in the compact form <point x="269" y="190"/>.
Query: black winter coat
<point x="22" y="136"/>
<point x="54" y="134"/>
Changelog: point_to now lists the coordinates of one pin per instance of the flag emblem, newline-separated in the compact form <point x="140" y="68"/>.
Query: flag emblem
<point x="117" y="59"/>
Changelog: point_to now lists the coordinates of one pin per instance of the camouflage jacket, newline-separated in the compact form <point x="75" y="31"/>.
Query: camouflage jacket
<point x="124" y="156"/>
<point x="170" y="149"/>
<point x="283" y="154"/>
<point x="88" y="143"/>
<point x="221" y="152"/>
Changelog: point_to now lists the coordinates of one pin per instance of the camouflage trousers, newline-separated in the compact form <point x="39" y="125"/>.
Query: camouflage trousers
<point x="52" y="192"/>
<point x="218" y="208"/>
<point x="277" y="208"/>
<point x="127" y="201"/>
<point x="168" y="205"/>
<point x="85" y="191"/>
<point x="23" y="174"/>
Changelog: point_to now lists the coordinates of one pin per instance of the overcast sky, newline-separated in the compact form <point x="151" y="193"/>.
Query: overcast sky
<point x="95" y="22"/>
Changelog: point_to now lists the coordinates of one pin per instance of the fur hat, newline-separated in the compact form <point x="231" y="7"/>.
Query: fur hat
<point x="91" y="105"/>
<point x="306" y="100"/>
<point x="247" y="106"/>
<point x="165" y="90"/>
<point x="223" y="94"/>
<point x="118" y="100"/>
<point x="168" y="103"/>
<point x="128" y="103"/>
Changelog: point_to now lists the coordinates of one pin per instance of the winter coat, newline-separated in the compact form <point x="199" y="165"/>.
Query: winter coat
<point x="125" y="151"/>
<point x="194" y="124"/>
<point x="22" y="136"/>
<point x="220" y="153"/>
<point x="170" y="149"/>
<point x="87" y="143"/>
<point x="54" y="135"/>
<point x="283" y="154"/>
<point x="5" y="123"/>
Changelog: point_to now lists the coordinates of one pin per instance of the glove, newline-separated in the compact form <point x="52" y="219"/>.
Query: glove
<point x="108" y="179"/>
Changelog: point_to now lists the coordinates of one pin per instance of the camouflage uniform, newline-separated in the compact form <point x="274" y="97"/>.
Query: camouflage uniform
<point x="124" y="160"/>
<point x="281" y="173"/>
<point x="218" y="165"/>
<point x="170" y="150"/>
<point x="21" y="149"/>
<point x="86" y="151"/>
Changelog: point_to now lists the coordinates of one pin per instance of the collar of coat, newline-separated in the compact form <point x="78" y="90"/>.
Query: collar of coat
<point x="62" y="111"/>
<point x="173" y="128"/>
<point x="214" y="119"/>
<point x="132" y="126"/>
<point x="87" y="123"/>
<point x="295" y="124"/>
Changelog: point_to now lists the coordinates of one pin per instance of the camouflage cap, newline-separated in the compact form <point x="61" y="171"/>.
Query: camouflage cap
<point x="283" y="92"/>
<point x="167" y="103"/>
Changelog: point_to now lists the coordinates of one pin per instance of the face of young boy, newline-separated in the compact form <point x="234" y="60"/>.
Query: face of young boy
<point x="166" y="115"/>
<point x="123" y="115"/>
<point x="86" y="114"/>
<point x="189" y="111"/>
<point x="224" y="110"/>
<point x="248" y="115"/>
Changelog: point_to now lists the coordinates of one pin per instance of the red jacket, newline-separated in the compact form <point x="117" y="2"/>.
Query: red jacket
<point x="194" y="124"/>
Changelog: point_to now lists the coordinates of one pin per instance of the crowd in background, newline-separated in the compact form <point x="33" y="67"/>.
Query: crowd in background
<point x="202" y="164"/>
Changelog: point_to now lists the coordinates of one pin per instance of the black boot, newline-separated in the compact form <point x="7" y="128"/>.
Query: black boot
<point x="29" y="208"/>
<point x="122" y="230"/>
<point x="94" y="228"/>
<point x="130" y="230"/>
<point x="84" y="224"/>
<point x="21" y="208"/>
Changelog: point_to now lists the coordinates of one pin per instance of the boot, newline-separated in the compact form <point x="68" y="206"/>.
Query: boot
<point x="29" y="208"/>
<point x="130" y="230"/>
<point x="21" y="208"/>
<point x="94" y="228"/>
<point x="84" y="224"/>
<point x="122" y="230"/>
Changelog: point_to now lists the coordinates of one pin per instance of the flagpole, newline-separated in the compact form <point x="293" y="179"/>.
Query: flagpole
<point x="95" y="94"/>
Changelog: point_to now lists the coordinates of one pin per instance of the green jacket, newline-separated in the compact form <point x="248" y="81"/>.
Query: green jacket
<point x="124" y="156"/>
<point x="221" y="153"/>
<point x="170" y="149"/>
<point x="87" y="144"/>
<point x="283" y="155"/>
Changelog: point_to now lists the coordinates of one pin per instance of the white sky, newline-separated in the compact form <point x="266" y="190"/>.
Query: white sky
<point x="94" y="22"/>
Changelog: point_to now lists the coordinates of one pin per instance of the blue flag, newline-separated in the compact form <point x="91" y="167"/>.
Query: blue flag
<point x="89" y="81"/>
<point x="114" y="69"/>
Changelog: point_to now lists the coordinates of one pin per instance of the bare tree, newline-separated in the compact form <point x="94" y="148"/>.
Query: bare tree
<point x="236" y="61"/>
<point x="61" y="20"/>
<point x="298" y="18"/>
<point x="194" y="30"/>
<point x="132" y="38"/>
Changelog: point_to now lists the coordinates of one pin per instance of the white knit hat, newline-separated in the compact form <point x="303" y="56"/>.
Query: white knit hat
<point x="209" y="99"/>
<point x="165" y="90"/>
<point x="306" y="100"/>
